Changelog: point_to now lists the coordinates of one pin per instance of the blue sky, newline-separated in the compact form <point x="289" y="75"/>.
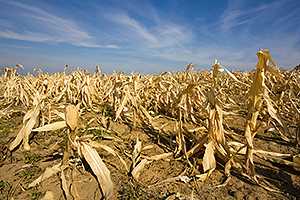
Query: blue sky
<point x="147" y="36"/>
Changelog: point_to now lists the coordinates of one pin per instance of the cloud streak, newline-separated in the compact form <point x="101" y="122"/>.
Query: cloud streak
<point x="55" y="29"/>
<point x="243" y="28"/>
<point x="136" y="27"/>
<point x="161" y="34"/>
<point x="235" y="16"/>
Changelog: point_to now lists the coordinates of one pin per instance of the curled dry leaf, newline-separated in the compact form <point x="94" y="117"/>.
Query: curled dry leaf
<point x="51" y="127"/>
<point x="228" y="166"/>
<point x="234" y="77"/>
<point x="99" y="169"/>
<point x="209" y="161"/>
<point x="60" y="114"/>
<point x="148" y="147"/>
<point x="271" y="109"/>
<point x="25" y="131"/>
<point x="184" y="179"/>
<point x="136" y="172"/>
<point x="202" y="177"/>
<point x="136" y="153"/>
<point x="109" y="150"/>
<point x="50" y="171"/>
<point x="273" y="113"/>
<point x="121" y="108"/>
<point x="65" y="185"/>
<point x="28" y="115"/>
<point x="104" y="147"/>
<point x="161" y="156"/>
<point x="72" y="117"/>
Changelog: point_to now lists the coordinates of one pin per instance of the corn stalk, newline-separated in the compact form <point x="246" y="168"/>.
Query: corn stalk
<point x="255" y="101"/>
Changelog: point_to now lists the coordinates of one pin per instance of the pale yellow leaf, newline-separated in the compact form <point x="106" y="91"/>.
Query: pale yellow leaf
<point x="72" y="116"/>
<point x="28" y="115"/>
<point x="18" y="139"/>
<point x="25" y="131"/>
<point x="121" y="108"/>
<point x="60" y="114"/>
<point x="136" y="172"/>
<point x="209" y="161"/>
<point x="65" y="186"/>
<point x="50" y="171"/>
<point x="52" y="127"/>
<point x="48" y="196"/>
<point x="109" y="150"/>
<point x="29" y="126"/>
<point x="161" y="156"/>
<point x="99" y="168"/>
<point x="271" y="110"/>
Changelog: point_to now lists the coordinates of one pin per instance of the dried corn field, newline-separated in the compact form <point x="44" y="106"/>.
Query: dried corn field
<point x="185" y="135"/>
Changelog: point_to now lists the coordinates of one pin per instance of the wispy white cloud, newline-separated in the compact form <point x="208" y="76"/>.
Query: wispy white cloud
<point x="159" y="35"/>
<point x="235" y="16"/>
<point x="241" y="30"/>
<point x="132" y="24"/>
<point x="239" y="14"/>
<point x="53" y="28"/>
<point x="8" y="46"/>
<point x="26" y="36"/>
<point x="171" y="34"/>
<point x="178" y="43"/>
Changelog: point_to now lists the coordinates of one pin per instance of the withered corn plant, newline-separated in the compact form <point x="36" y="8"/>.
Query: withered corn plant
<point x="254" y="106"/>
<point x="30" y="120"/>
<point x="216" y="139"/>
<point x="85" y="148"/>
<point x="257" y="95"/>
<point x="216" y="145"/>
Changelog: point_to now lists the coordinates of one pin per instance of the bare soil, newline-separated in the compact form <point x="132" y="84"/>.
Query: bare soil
<point x="19" y="168"/>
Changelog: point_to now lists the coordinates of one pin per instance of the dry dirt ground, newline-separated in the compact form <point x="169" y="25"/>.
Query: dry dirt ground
<point x="19" y="168"/>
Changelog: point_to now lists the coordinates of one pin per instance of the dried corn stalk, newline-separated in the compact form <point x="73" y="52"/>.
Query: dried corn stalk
<point x="147" y="101"/>
<point x="254" y="106"/>
<point x="216" y="139"/>
<point x="72" y="117"/>
<point x="30" y="119"/>
<point x="86" y="151"/>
